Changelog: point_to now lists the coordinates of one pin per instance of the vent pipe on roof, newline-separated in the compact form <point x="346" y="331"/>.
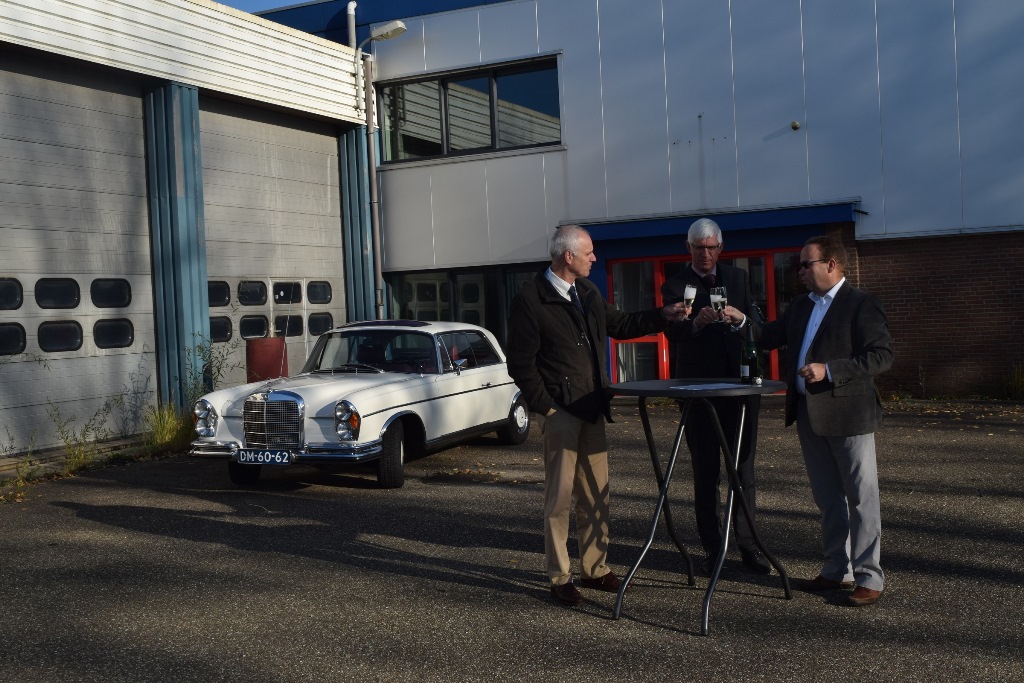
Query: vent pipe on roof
<point x="351" y="9"/>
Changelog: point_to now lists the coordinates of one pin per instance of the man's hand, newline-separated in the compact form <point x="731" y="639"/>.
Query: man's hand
<point x="813" y="372"/>
<point x="675" y="312"/>
<point x="733" y="316"/>
<point x="706" y="315"/>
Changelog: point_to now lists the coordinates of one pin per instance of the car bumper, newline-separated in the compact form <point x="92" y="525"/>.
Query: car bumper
<point x="309" y="454"/>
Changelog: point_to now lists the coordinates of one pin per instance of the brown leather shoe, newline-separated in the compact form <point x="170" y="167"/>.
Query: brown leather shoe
<point x="567" y="594"/>
<point x="862" y="597"/>
<point x="609" y="583"/>
<point x="820" y="583"/>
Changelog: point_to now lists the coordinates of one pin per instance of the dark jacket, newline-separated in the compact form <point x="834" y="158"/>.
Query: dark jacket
<point x="715" y="350"/>
<point x="853" y="339"/>
<point x="549" y="353"/>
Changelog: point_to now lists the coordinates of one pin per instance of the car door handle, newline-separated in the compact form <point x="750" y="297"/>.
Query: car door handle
<point x="486" y="384"/>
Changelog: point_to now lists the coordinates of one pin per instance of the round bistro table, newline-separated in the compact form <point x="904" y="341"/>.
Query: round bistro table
<point x="686" y="391"/>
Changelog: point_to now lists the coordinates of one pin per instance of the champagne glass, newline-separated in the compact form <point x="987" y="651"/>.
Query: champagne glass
<point x="719" y="300"/>
<point x="689" y="294"/>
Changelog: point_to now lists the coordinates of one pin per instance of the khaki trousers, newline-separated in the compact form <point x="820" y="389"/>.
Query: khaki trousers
<point x="575" y="464"/>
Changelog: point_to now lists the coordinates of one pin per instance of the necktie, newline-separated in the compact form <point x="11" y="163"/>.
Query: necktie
<point x="575" y="297"/>
<point x="709" y="280"/>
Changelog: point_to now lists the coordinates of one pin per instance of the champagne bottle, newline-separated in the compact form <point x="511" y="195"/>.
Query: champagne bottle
<point x="750" y="365"/>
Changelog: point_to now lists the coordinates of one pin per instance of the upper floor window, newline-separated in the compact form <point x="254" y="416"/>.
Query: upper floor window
<point x="57" y="292"/>
<point x="473" y="111"/>
<point x="110" y="293"/>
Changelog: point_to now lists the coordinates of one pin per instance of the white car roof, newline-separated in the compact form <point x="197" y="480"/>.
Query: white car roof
<point x="434" y="327"/>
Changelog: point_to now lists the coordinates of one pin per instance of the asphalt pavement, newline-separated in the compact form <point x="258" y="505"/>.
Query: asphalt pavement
<point x="163" y="571"/>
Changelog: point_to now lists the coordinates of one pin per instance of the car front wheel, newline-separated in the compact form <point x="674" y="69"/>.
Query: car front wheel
<point x="391" y="465"/>
<point x="517" y="428"/>
<point x="244" y="475"/>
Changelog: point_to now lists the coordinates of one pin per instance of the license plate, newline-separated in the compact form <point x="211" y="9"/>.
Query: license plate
<point x="251" y="456"/>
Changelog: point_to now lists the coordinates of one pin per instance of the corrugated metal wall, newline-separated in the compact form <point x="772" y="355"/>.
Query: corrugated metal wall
<point x="72" y="208"/>
<point x="273" y="214"/>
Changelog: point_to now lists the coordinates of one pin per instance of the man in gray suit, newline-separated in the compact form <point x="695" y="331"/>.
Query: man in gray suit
<point x="837" y="340"/>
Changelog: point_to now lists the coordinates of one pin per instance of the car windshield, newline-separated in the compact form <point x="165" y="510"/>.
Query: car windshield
<point x="372" y="350"/>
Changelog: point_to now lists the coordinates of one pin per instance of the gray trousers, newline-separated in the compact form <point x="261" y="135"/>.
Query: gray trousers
<point x="844" y="480"/>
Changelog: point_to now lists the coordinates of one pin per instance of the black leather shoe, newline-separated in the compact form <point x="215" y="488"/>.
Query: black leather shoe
<point x="755" y="561"/>
<point x="567" y="594"/>
<point x="608" y="583"/>
<point x="707" y="565"/>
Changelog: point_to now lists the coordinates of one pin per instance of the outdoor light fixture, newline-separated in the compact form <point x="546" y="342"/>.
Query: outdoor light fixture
<point x="386" y="31"/>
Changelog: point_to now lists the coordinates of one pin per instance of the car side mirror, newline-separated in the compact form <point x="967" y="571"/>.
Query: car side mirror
<point x="459" y="364"/>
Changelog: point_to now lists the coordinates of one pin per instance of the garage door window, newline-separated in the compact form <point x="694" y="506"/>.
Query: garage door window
<point x="60" y="335"/>
<point x="220" y="328"/>
<point x="10" y="294"/>
<point x="12" y="339"/>
<point x="110" y="293"/>
<point x="253" y="326"/>
<point x="319" y="292"/>
<point x="287" y="292"/>
<point x="320" y="323"/>
<point x="288" y="326"/>
<point x="57" y="292"/>
<point x="219" y="293"/>
<point x="252" y="293"/>
<point x="113" y="334"/>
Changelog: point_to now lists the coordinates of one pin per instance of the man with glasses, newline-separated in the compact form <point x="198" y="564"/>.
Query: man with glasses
<point x="706" y="347"/>
<point x="837" y="340"/>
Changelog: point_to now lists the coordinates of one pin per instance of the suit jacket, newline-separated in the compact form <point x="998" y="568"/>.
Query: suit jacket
<point x="853" y="339"/>
<point x="715" y="350"/>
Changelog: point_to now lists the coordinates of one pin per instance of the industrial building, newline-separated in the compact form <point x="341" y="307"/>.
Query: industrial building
<point x="178" y="173"/>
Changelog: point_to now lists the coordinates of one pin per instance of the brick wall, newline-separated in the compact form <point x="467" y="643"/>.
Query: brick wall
<point x="955" y="307"/>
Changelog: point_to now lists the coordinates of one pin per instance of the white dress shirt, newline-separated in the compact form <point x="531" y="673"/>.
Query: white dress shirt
<point x="821" y="306"/>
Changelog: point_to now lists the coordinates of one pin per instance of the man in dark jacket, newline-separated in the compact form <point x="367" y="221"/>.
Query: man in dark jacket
<point x="556" y="349"/>
<point x="837" y="339"/>
<point x="705" y="347"/>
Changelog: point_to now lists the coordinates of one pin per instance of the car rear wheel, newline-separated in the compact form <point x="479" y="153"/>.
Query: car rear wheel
<point x="517" y="428"/>
<point x="391" y="465"/>
<point x="244" y="475"/>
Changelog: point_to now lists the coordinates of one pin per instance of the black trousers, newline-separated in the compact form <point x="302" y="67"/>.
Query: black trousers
<point x="706" y="457"/>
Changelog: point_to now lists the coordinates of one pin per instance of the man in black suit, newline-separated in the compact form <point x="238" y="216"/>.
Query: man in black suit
<point x="837" y="340"/>
<point x="705" y="346"/>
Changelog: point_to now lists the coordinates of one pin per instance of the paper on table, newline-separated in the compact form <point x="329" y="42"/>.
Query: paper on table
<point x="699" y="387"/>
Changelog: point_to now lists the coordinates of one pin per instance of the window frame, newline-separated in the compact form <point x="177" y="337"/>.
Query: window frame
<point x="442" y="80"/>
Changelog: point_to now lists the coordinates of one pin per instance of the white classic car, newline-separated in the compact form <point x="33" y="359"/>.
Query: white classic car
<point x="376" y="390"/>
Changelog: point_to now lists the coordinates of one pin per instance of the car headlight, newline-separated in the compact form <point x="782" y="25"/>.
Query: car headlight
<point x="346" y="421"/>
<point x="205" y="418"/>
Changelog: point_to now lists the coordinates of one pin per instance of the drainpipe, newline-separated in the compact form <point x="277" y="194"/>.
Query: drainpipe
<point x="351" y="9"/>
<point x="371" y="163"/>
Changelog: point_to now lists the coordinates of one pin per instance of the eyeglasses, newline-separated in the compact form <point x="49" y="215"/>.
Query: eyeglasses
<point x="808" y="264"/>
<point x="701" y="247"/>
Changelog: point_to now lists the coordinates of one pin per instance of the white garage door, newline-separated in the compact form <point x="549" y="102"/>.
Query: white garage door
<point x="76" y="302"/>
<point x="273" y="230"/>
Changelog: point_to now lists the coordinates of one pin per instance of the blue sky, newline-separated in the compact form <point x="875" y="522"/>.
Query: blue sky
<point x="258" y="5"/>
